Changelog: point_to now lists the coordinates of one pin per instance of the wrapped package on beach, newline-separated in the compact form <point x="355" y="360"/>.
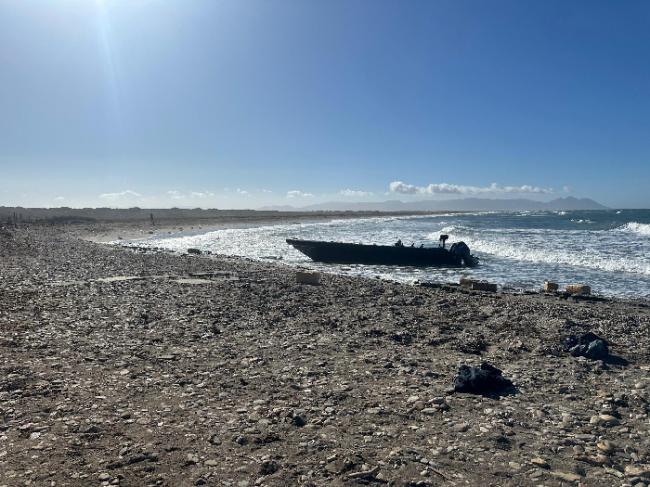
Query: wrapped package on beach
<point x="476" y="285"/>
<point x="551" y="287"/>
<point x="483" y="286"/>
<point x="467" y="282"/>
<point x="307" y="277"/>
<point x="582" y="289"/>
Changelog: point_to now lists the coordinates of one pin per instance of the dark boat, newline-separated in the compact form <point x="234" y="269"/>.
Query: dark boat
<point x="457" y="255"/>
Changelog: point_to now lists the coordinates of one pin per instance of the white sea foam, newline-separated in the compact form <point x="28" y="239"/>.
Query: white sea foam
<point x="634" y="227"/>
<point x="583" y="249"/>
<point x="542" y="254"/>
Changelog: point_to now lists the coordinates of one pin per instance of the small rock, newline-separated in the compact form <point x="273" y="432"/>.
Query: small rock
<point x="430" y="411"/>
<point x="460" y="427"/>
<point x="240" y="440"/>
<point x="298" y="421"/>
<point x="269" y="467"/>
<point x="569" y="477"/>
<point x="191" y="459"/>
<point x="540" y="462"/>
<point x="608" y="420"/>
<point x="637" y="471"/>
<point x="364" y="474"/>
<point x="605" y="446"/>
<point x="601" y="459"/>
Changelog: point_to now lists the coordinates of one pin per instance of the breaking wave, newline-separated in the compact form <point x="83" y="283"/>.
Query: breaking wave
<point x="589" y="259"/>
<point x="634" y="227"/>
<point x="575" y="248"/>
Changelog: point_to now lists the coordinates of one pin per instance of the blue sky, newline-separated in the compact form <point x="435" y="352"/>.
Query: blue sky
<point x="246" y="103"/>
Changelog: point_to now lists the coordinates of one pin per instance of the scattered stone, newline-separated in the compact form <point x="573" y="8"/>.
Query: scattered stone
<point x="412" y="399"/>
<point x="638" y="471"/>
<point x="269" y="467"/>
<point x="566" y="476"/>
<point x="305" y="277"/>
<point x="364" y="474"/>
<point x="326" y="382"/>
<point x="608" y="420"/>
<point x="540" y="462"/>
<point x="298" y="421"/>
<point x="460" y="427"/>
<point x="605" y="446"/>
<point x="191" y="459"/>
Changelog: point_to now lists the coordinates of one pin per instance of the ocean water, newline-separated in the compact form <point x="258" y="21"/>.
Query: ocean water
<point x="609" y="250"/>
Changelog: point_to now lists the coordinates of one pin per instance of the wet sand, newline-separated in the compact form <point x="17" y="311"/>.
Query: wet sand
<point x="125" y="367"/>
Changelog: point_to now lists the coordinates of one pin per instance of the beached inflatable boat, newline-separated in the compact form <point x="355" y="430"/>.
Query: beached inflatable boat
<point x="457" y="255"/>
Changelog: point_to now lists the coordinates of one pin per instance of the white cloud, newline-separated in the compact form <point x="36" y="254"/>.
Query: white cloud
<point x="243" y="192"/>
<point x="201" y="194"/>
<point x="354" y="193"/>
<point x="121" y="195"/>
<point x="298" y="194"/>
<point x="566" y="189"/>
<point x="179" y="195"/>
<point x="403" y="188"/>
<point x="59" y="198"/>
<point x="444" y="188"/>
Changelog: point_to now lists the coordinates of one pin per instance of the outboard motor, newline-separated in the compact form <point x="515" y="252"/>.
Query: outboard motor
<point x="461" y="250"/>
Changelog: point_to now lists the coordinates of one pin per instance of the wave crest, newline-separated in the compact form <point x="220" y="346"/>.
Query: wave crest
<point x="634" y="227"/>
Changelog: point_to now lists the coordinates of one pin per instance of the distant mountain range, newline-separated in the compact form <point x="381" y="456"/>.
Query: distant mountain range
<point x="464" y="204"/>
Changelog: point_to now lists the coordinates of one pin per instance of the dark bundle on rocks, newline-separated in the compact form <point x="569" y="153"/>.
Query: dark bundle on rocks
<point x="588" y="345"/>
<point x="485" y="379"/>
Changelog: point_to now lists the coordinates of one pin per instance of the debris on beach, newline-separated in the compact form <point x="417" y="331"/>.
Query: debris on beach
<point x="551" y="287"/>
<point x="115" y="369"/>
<point x="476" y="285"/>
<point x="485" y="379"/>
<point x="588" y="345"/>
<point x="194" y="251"/>
<point x="578" y="289"/>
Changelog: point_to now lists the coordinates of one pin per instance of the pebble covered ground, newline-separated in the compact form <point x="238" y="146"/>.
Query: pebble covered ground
<point x="133" y="368"/>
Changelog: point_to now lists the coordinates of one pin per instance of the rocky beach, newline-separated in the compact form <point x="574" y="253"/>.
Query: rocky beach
<point x="135" y="367"/>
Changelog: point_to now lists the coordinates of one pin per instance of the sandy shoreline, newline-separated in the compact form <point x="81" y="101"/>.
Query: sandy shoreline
<point x="123" y="367"/>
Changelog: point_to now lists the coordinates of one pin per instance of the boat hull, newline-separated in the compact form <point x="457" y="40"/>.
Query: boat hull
<point x="349" y="253"/>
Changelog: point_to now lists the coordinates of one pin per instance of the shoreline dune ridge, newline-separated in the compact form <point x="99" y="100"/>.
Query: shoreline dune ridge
<point x="136" y="367"/>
